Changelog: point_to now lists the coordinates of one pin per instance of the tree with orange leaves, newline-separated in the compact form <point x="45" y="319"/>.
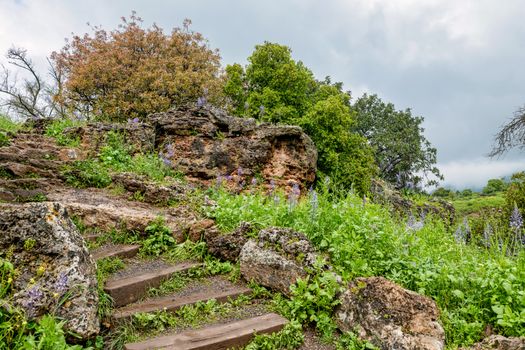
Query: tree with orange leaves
<point x="131" y="71"/>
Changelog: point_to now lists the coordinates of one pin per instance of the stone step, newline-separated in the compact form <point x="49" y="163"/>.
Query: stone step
<point x="118" y="250"/>
<point x="222" y="336"/>
<point x="174" y="302"/>
<point x="128" y="289"/>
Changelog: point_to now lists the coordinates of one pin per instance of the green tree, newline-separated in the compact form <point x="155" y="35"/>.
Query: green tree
<point x="275" y="88"/>
<point x="515" y="194"/>
<point x="404" y="156"/>
<point x="343" y="155"/>
<point x="494" y="186"/>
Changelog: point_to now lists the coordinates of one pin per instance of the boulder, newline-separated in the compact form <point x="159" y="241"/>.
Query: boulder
<point x="228" y="246"/>
<point x="277" y="259"/>
<point x="389" y="316"/>
<point x="499" y="342"/>
<point x="206" y="144"/>
<point x="56" y="273"/>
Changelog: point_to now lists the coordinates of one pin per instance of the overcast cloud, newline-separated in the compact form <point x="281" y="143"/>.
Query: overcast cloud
<point x="459" y="64"/>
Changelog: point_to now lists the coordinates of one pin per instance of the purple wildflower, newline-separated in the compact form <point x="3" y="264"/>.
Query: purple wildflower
<point x="314" y="203"/>
<point x="61" y="283"/>
<point x="413" y="224"/>
<point x="201" y="101"/>
<point x="516" y="220"/>
<point x="34" y="295"/>
<point x="170" y="150"/>
<point x="261" y="110"/>
<point x="487" y="234"/>
<point x="254" y="181"/>
<point x="294" y="196"/>
<point x="166" y="161"/>
<point x="229" y="177"/>
<point x="218" y="182"/>
<point x="272" y="185"/>
<point x="239" y="171"/>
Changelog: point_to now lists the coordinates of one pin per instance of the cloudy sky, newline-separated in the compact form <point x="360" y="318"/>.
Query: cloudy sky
<point x="459" y="64"/>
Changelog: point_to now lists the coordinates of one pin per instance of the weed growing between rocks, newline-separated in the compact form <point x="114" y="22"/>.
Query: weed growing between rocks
<point x="16" y="332"/>
<point x="474" y="287"/>
<point x="117" y="157"/>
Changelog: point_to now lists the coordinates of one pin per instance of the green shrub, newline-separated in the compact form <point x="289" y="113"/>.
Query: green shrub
<point x="56" y="130"/>
<point x="474" y="287"/>
<point x="159" y="239"/>
<point x="87" y="173"/>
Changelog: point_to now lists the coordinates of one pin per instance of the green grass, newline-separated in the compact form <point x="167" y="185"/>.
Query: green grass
<point x="477" y="203"/>
<point x="7" y="126"/>
<point x="116" y="157"/>
<point x="56" y="130"/>
<point x="473" y="287"/>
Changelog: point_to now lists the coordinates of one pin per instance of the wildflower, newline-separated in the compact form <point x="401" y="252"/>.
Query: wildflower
<point x="218" y="182"/>
<point x="276" y="200"/>
<point x="229" y="178"/>
<point x="314" y="203"/>
<point x="261" y="110"/>
<point x="516" y="220"/>
<point x="239" y="171"/>
<point x="413" y="224"/>
<point x="294" y="196"/>
<point x="61" y="283"/>
<point x="34" y="295"/>
<point x="487" y="234"/>
<point x="201" y="101"/>
<point x="254" y="181"/>
<point x="170" y="150"/>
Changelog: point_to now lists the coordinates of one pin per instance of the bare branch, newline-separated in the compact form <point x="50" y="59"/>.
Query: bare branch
<point x="511" y="135"/>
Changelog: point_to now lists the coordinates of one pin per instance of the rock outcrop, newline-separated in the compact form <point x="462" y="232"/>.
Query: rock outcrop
<point x="228" y="246"/>
<point x="499" y="342"/>
<point x="389" y="316"/>
<point x="277" y="258"/>
<point x="205" y="143"/>
<point x="139" y="137"/>
<point x="56" y="271"/>
<point x="383" y="193"/>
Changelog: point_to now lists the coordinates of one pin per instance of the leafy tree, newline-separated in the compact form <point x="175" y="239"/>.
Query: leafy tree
<point x="494" y="186"/>
<point x="515" y="194"/>
<point x="402" y="152"/>
<point x="132" y="71"/>
<point x="443" y="192"/>
<point x="275" y="88"/>
<point x="511" y="135"/>
<point x="343" y="155"/>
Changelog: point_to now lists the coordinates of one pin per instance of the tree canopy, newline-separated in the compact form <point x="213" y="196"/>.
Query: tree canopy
<point x="132" y="71"/>
<point x="275" y="88"/>
<point x="404" y="156"/>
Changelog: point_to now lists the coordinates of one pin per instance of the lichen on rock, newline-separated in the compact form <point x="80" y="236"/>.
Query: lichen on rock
<point x="55" y="272"/>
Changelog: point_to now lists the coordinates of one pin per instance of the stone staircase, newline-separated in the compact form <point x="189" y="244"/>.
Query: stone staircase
<point x="129" y="289"/>
<point x="30" y="170"/>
